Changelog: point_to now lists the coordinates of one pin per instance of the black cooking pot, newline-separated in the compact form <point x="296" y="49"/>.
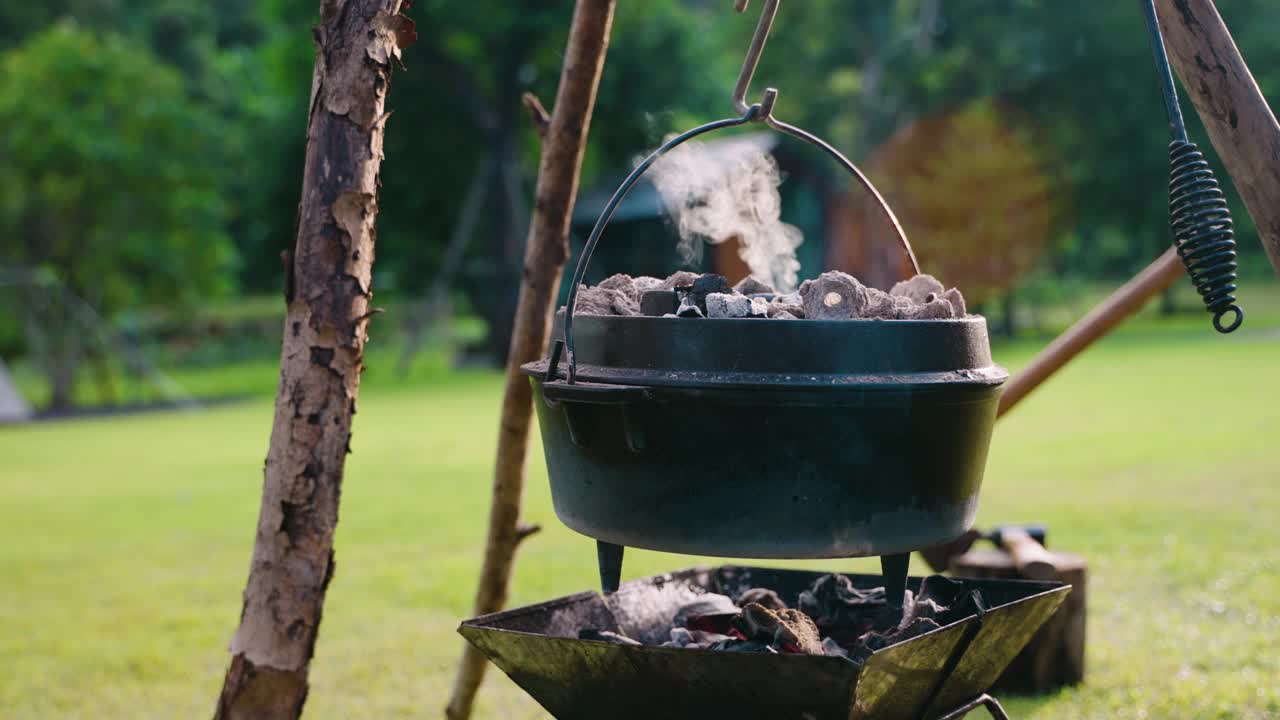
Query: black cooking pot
<point x="770" y="438"/>
<point x="765" y="438"/>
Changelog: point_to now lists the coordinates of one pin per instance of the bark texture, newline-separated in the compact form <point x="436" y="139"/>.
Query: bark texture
<point x="546" y="250"/>
<point x="1235" y="113"/>
<point x="328" y="297"/>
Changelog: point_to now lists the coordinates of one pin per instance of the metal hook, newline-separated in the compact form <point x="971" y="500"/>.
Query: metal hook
<point x="753" y="59"/>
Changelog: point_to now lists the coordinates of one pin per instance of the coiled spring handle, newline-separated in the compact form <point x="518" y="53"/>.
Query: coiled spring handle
<point x="1198" y="212"/>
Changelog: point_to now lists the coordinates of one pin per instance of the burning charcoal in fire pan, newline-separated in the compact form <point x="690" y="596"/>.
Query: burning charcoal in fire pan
<point x="925" y="676"/>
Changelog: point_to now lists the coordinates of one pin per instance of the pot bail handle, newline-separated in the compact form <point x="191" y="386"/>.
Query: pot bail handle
<point x="760" y="112"/>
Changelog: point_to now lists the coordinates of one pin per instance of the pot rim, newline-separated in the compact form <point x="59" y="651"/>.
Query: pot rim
<point x="644" y="351"/>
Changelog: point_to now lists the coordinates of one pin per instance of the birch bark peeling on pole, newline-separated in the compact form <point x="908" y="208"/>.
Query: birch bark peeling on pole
<point x="327" y="291"/>
<point x="1240" y="124"/>
<point x="564" y="141"/>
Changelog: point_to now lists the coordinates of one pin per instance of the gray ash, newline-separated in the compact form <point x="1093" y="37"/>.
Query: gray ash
<point x="833" y="617"/>
<point x="830" y="296"/>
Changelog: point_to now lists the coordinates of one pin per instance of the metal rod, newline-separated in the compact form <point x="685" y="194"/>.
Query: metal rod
<point x="1198" y="211"/>
<point x="1177" y="127"/>
<point x="953" y="661"/>
<point x="992" y="705"/>
<point x="753" y="54"/>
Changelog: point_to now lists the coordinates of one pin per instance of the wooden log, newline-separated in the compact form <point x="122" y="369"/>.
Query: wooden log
<point x="1236" y="115"/>
<point x="1030" y="559"/>
<point x="1056" y="655"/>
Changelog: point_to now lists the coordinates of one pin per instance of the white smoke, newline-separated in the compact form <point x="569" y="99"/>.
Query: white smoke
<point x="714" y="193"/>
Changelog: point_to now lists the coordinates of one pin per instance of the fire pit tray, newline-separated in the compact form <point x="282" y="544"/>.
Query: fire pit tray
<point x="925" y="677"/>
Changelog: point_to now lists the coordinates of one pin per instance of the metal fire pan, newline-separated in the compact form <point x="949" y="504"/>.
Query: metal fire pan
<point x="537" y="647"/>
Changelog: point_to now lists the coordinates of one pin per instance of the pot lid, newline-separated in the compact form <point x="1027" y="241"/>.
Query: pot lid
<point x="685" y="352"/>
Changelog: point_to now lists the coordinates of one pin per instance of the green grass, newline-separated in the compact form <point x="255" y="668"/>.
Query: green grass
<point x="210" y="369"/>
<point x="125" y="541"/>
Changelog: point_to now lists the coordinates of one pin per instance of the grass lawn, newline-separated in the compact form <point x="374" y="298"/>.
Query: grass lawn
<point x="124" y="542"/>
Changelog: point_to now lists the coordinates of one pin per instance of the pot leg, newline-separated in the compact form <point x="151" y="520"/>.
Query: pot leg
<point x="609" y="557"/>
<point x="895" y="569"/>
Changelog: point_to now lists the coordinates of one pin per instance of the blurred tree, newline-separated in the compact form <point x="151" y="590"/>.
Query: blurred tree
<point x="663" y="69"/>
<point x="855" y="71"/>
<point x="1080" y="75"/>
<point x="973" y="186"/>
<point x="106" y="181"/>
<point x="20" y="20"/>
<point x="268" y="85"/>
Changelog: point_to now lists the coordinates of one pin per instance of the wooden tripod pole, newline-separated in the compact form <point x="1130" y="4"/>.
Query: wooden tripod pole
<point x="545" y="255"/>
<point x="328" y="290"/>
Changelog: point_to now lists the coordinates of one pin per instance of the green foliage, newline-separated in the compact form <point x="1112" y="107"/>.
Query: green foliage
<point x="668" y="70"/>
<point x="109" y="173"/>
<point x="19" y="20"/>
<point x="458" y="102"/>
<point x="1078" y="75"/>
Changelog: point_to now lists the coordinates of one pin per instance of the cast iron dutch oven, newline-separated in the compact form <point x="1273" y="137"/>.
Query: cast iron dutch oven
<point x="770" y="438"/>
<point x="765" y="438"/>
